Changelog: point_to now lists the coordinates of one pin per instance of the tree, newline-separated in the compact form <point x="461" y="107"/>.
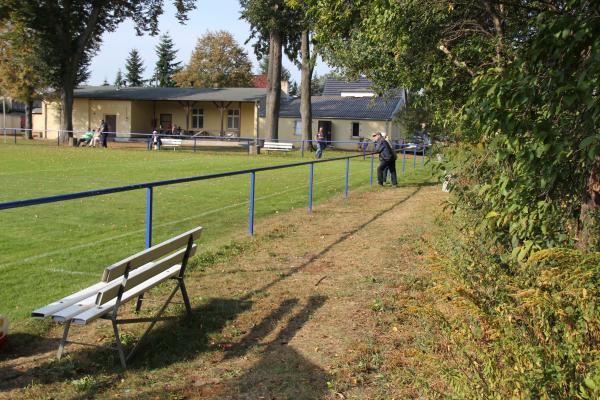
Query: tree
<point x="105" y="83"/>
<point x="70" y="33"/>
<point x="119" y="78"/>
<point x="294" y="90"/>
<point x="134" y="68"/>
<point x="516" y="80"/>
<point x="318" y="82"/>
<point x="166" y="67"/>
<point x="263" y="69"/>
<point x="217" y="61"/>
<point x="20" y="65"/>
<point x="276" y="27"/>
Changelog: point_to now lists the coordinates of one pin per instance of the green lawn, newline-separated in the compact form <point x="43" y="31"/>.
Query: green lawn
<point x="48" y="251"/>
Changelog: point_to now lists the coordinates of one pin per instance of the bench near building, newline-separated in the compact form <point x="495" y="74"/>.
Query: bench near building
<point x="347" y="111"/>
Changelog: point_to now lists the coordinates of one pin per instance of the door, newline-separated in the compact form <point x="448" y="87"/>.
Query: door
<point x="111" y="121"/>
<point x="326" y="125"/>
<point x="165" y="123"/>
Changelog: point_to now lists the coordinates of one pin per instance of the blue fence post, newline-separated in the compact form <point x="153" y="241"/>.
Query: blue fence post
<point x="251" y="216"/>
<point x="310" y="186"/>
<point x="403" y="160"/>
<point x="149" y="206"/>
<point x="415" y="158"/>
<point x="347" y="176"/>
<point x="372" y="163"/>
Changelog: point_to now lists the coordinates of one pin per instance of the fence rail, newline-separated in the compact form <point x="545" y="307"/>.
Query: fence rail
<point x="149" y="186"/>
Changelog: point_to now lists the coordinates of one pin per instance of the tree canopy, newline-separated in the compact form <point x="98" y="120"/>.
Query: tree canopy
<point x="217" y="61"/>
<point x="518" y="80"/>
<point x="70" y="33"/>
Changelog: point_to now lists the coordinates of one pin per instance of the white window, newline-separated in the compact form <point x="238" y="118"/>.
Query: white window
<point x="298" y="127"/>
<point x="355" y="129"/>
<point x="233" y="119"/>
<point x="197" y="118"/>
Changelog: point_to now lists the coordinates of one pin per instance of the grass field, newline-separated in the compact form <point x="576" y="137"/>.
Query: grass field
<point x="48" y="251"/>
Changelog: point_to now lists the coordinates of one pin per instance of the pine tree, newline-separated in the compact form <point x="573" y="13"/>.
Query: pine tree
<point x="166" y="66"/>
<point x="119" y="78"/>
<point x="134" y="69"/>
<point x="105" y="83"/>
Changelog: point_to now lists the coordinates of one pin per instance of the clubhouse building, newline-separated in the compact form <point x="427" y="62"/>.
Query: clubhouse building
<point x="348" y="112"/>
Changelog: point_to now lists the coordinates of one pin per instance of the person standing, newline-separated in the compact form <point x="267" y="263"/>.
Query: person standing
<point x="103" y="133"/>
<point x="387" y="159"/>
<point x="320" y="142"/>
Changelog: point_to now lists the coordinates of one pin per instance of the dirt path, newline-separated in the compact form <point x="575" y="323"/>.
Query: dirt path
<point x="294" y="316"/>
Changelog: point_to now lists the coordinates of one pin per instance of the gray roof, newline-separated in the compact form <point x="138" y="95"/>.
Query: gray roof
<point x="180" y="94"/>
<point x="335" y="87"/>
<point x="338" y="107"/>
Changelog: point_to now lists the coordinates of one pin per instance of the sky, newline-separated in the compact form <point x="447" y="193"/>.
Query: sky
<point x="209" y="15"/>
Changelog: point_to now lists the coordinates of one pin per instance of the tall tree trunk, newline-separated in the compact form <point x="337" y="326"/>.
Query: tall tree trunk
<point x="29" y="117"/>
<point x="273" y="85"/>
<point x="589" y="220"/>
<point x="66" y="125"/>
<point x="305" y="97"/>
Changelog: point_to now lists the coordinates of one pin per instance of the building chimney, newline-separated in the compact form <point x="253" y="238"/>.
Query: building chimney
<point x="285" y="87"/>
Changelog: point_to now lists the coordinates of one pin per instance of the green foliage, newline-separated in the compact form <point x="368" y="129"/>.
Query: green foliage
<point x="217" y="61"/>
<point x="134" y="68"/>
<point x="166" y="66"/>
<point x="531" y="329"/>
<point x="266" y="16"/>
<point x="119" y="78"/>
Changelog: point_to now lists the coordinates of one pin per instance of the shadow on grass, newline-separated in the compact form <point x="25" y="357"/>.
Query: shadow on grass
<point x="172" y="341"/>
<point x="282" y="372"/>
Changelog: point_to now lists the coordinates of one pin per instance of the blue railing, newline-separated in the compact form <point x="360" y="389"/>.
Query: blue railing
<point x="149" y="186"/>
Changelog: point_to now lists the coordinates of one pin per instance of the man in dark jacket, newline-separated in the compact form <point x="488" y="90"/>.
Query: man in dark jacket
<point x="387" y="159"/>
<point x="103" y="133"/>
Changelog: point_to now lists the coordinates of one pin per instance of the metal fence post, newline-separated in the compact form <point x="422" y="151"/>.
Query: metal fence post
<point x="194" y="145"/>
<point x="372" y="165"/>
<point x="403" y="160"/>
<point x="302" y="148"/>
<point x="415" y="158"/>
<point x="310" y="186"/>
<point x="347" y="176"/>
<point x="423" y="157"/>
<point x="149" y="206"/>
<point x="251" y="201"/>
<point x="15" y="134"/>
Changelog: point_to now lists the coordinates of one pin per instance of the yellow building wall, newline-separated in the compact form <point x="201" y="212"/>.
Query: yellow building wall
<point x="137" y="116"/>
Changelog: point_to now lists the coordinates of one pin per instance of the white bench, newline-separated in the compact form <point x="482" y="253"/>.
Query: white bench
<point x="168" y="142"/>
<point x="123" y="281"/>
<point x="277" y="146"/>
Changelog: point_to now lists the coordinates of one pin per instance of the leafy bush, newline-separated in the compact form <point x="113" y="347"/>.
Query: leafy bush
<point x="533" y="329"/>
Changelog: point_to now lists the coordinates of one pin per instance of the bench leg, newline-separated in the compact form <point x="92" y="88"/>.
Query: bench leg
<point x="138" y="305"/>
<point x="119" y="344"/>
<point x="63" y="341"/>
<point x="186" y="299"/>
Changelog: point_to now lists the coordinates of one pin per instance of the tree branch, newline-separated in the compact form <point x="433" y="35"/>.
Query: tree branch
<point x="460" y="64"/>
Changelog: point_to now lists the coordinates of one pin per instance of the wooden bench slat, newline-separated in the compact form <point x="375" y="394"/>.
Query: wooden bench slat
<point x="143" y="257"/>
<point x="111" y="290"/>
<point x="69" y="312"/>
<point x="96" y="311"/>
<point x="67" y="301"/>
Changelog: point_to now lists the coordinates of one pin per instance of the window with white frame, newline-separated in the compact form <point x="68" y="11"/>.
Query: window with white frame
<point x="197" y="118"/>
<point x="355" y="129"/>
<point x="298" y="127"/>
<point x="233" y="119"/>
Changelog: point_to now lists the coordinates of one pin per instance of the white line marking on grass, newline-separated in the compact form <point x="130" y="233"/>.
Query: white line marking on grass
<point x="97" y="242"/>
<point x="68" y="272"/>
